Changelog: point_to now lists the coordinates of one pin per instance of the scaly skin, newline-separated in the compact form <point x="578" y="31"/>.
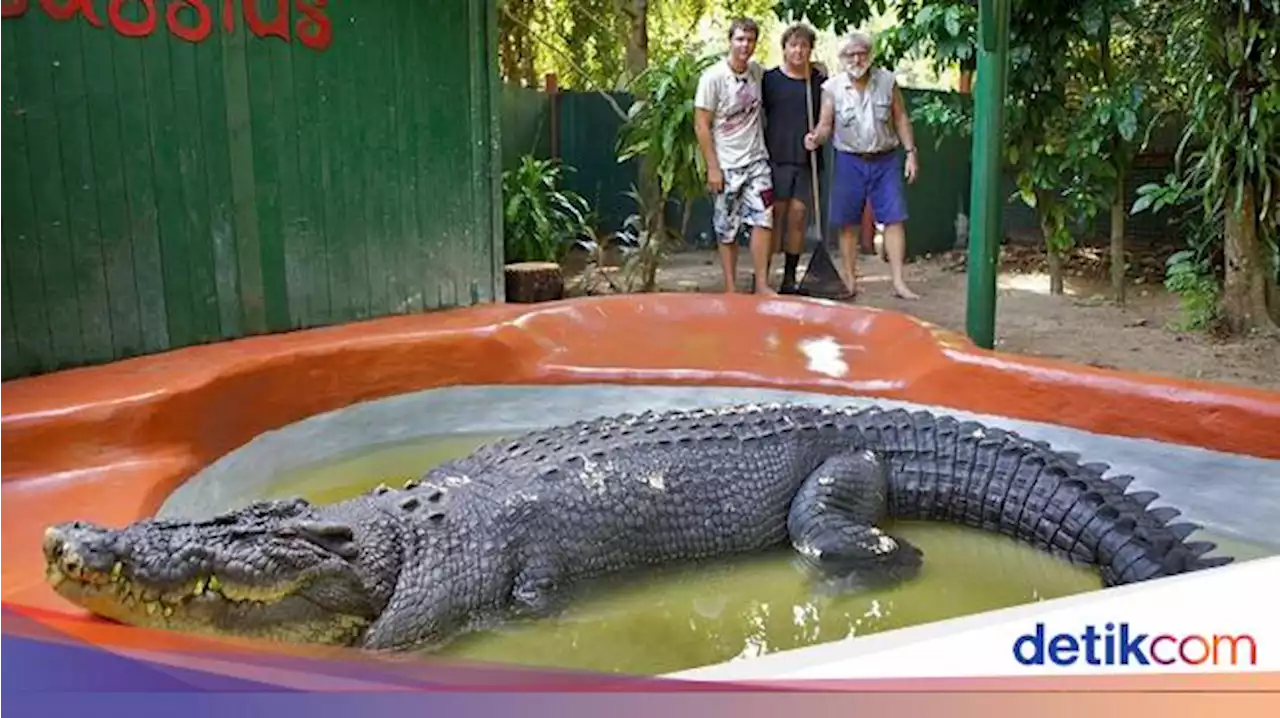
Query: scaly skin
<point x="510" y="530"/>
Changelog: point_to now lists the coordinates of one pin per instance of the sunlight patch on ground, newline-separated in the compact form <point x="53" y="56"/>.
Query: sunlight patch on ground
<point x="1033" y="282"/>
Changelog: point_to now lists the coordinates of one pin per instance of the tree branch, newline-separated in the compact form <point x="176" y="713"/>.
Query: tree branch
<point x="569" y="59"/>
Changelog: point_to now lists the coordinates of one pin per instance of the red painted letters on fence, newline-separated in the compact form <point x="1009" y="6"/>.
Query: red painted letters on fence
<point x="68" y="9"/>
<point x="312" y="26"/>
<point x="204" y="20"/>
<point x="133" y="28"/>
<point x="13" y="8"/>
<point x="277" y="27"/>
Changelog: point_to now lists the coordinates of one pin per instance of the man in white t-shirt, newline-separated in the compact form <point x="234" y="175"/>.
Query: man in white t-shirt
<point x="729" y="120"/>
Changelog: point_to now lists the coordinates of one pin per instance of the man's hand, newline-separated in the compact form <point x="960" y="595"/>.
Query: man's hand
<point x="811" y="141"/>
<point x="910" y="168"/>
<point x="715" y="180"/>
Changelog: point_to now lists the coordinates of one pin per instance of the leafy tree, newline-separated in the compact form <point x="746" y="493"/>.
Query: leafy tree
<point x="1228" y="54"/>
<point x="1076" y="111"/>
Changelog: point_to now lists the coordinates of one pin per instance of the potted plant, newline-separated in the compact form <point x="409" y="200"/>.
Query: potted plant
<point x="541" y="222"/>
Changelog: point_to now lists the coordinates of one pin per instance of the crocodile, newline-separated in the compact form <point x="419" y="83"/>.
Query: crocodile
<point x="507" y="532"/>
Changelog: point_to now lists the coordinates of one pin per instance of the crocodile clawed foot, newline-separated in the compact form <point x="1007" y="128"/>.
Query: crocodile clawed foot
<point x="842" y="575"/>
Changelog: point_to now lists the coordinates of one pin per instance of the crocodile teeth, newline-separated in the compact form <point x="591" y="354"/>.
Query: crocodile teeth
<point x="200" y="586"/>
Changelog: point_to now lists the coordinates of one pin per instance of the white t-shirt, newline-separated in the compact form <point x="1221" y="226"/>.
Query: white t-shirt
<point x="737" y="104"/>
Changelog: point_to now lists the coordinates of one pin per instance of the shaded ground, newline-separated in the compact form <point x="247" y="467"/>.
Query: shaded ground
<point x="1081" y="326"/>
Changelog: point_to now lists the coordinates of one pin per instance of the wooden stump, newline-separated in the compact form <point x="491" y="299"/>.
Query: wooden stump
<point x="529" y="282"/>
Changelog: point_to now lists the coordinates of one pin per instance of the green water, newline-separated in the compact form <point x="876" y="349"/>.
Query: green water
<point x="738" y="608"/>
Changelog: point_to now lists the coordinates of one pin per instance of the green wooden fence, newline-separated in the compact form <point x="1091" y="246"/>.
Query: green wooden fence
<point x="175" y="179"/>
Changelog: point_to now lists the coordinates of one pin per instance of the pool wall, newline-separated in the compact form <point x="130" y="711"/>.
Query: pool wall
<point x="110" y="443"/>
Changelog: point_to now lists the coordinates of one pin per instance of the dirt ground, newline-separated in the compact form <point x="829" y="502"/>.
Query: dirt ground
<point x="1082" y="325"/>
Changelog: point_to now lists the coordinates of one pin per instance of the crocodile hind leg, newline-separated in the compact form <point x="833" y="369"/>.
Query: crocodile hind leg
<point x="832" y="526"/>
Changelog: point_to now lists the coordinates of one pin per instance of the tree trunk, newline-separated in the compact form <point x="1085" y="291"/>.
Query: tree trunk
<point x="653" y="249"/>
<point x="1273" y="265"/>
<point x="638" y="37"/>
<point x="1053" y="256"/>
<point x="1055" y="272"/>
<point x="1117" y="242"/>
<point x="1273" y="291"/>
<point x="637" y="12"/>
<point x="1244" y="289"/>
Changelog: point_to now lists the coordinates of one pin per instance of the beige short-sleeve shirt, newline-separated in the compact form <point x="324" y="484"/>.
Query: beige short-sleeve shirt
<point x="863" y="118"/>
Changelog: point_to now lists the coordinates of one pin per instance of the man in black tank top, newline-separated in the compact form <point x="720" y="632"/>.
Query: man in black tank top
<point x="786" y="123"/>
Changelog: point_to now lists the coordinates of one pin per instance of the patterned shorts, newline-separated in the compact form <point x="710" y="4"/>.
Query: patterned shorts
<point x="747" y="199"/>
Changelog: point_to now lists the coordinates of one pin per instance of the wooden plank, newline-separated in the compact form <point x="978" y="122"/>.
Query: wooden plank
<point x="112" y="194"/>
<point x="331" y="86"/>
<point x="479" y="108"/>
<point x="353" y="280"/>
<point x="48" y="187"/>
<point x="25" y="315"/>
<point x="356" y="235"/>
<point x="235" y="73"/>
<point x="494" y="273"/>
<point x="429" y="268"/>
<point x="408" y="285"/>
<point x="175" y="228"/>
<point x="190" y="157"/>
<point x="76" y="154"/>
<point x="298" y="272"/>
<point x="212" y="93"/>
<point x="453" y="148"/>
<point x="477" y="253"/>
<point x="310" y="96"/>
<point x="12" y="361"/>
<point x="373" y="72"/>
<point x="266" y="177"/>
<point x="133" y="106"/>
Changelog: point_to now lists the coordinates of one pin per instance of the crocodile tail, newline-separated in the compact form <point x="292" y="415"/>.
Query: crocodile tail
<point x="963" y="472"/>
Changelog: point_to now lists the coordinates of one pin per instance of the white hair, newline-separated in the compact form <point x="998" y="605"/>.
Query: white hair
<point x="858" y="37"/>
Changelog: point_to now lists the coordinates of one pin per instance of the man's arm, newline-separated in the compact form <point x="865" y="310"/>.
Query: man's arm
<point x="902" y="123"/>
<point x="704" y="101"/>
<point x="702" y="127"/>
<point x="826" y="119"/>
<point x="902" y="120"/>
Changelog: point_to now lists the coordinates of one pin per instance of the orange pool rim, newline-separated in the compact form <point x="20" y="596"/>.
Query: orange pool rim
<point x="109" y="443"/>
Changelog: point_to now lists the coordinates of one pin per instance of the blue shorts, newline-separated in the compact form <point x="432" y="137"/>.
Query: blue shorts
<point x="855" y="180"/>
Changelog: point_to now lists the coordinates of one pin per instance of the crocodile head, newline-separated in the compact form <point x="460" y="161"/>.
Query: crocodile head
<point x="280" y="570"/>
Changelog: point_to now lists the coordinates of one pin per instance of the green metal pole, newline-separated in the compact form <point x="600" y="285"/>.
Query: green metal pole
<point x="985" y="205"/>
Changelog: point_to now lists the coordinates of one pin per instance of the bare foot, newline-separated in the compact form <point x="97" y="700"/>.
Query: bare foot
<point x="904" y="293"/>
